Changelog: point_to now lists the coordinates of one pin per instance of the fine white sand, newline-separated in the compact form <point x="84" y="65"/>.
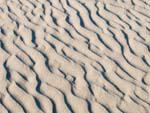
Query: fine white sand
<point x="74" y="56"/>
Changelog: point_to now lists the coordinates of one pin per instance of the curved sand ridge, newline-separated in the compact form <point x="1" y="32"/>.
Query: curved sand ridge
<point x="74" y="56"/>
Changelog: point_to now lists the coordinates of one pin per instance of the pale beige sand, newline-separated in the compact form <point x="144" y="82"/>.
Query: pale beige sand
<point x="74" y="56"/>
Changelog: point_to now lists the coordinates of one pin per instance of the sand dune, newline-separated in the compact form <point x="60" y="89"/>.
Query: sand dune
<point x="74" y="56"/>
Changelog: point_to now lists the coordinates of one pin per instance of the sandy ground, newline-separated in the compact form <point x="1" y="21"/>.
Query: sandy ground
<point x="74" y="56"/>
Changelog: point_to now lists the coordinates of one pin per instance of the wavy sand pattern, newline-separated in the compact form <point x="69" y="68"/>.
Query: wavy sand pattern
<point x="74" y="56"/>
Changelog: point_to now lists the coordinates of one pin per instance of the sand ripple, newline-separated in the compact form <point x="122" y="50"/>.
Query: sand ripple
<point x="74" y="56"/>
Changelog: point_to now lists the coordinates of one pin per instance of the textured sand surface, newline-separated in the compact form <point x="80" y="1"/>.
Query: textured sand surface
<point x="74" y="56"/>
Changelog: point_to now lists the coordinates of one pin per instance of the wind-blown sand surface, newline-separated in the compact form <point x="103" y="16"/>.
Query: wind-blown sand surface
<point x="74" y="56"/>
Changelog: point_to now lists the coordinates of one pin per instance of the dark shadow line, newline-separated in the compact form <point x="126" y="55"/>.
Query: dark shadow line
<point x="102" y="41"/>
<point x="25" y="111"/>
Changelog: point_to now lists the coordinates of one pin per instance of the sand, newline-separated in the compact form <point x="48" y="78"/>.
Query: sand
<point x="74" y="56"/>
